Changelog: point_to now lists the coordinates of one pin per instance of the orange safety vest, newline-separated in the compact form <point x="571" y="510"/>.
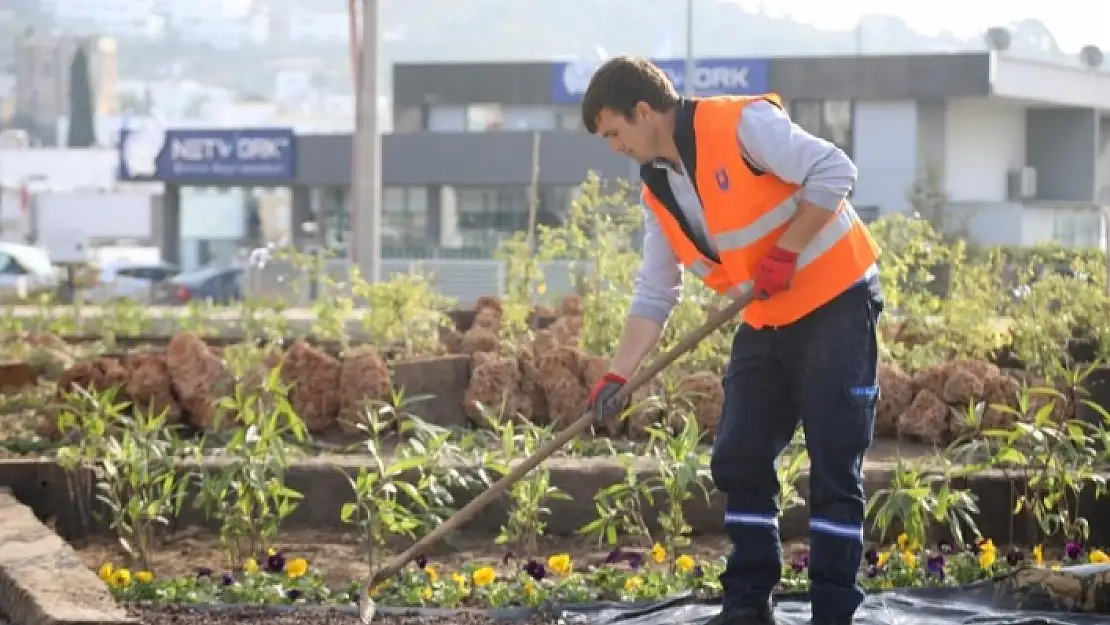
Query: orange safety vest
<point x="745" y="214"/>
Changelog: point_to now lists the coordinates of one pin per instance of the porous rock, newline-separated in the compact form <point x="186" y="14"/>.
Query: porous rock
<point x="150" y="388"/>
<point x="1000" y="391"/>
<point x="488" y="318"/>
<point x="926" y="420"/>
<point x="962" y="386"/>
<point x="200" y="379"/>
<point x="314" y="379"/>
<point x="895" y="396"/>
<point x="567" y="329"/>
<point x="706" y="395"/>
<point x="479" y="339"/>
<point x="571" y="306"/>
<point x="494" y="383"/>
<point x="363" y="378"/>
<point x="560" y="374"/>
<point x="533" y="402"/>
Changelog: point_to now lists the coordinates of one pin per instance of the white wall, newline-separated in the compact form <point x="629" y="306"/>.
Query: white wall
<point x="983" y="140"/>
<point x="1051" y="83"/>
<point x="63" y="219"/>
<point x="59" y="168"/>
<point x="885" y="152"/>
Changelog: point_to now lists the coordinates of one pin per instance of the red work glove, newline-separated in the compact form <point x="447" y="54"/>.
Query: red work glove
<point x="601" y="396"/>
<point x="774" y="272"/>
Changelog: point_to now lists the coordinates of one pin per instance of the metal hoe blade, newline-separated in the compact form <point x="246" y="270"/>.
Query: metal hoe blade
<point x="716" y="321"/>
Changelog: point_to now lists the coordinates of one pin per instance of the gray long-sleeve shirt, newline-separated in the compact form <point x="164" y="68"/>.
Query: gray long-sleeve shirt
<point x="771" y="142"/>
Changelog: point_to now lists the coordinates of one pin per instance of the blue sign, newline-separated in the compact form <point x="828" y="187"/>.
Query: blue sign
<point x="149" y="152"/>
<point x="711" y="77"/>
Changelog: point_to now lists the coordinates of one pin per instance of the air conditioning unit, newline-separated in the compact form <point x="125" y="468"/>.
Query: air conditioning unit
<point x="1021" y="183"/>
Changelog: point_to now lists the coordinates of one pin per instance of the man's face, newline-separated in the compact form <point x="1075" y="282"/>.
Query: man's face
<point x="633" y="137"/>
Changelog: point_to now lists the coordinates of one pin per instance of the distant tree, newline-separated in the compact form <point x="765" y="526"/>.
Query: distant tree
<point x="82" y="133"/>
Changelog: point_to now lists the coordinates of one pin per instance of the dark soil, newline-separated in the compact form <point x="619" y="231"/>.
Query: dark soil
<point x="182" y="615"/>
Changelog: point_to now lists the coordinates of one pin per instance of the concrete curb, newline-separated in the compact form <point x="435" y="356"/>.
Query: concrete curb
<point x="42" y="580"/>
<point x="46" y="488"/>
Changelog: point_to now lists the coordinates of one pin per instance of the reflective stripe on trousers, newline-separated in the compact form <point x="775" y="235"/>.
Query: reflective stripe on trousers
<point x="733" y="240"/>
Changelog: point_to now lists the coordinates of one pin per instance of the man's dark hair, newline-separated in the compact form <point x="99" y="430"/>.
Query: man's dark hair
<point x="621" y="83"/>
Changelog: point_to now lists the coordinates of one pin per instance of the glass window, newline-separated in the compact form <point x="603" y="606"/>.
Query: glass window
<point x="410" y="119"/>
<point x="488" y="215"/>
<point x="528" y="118"/>
<point x="484" y="117"/>
<point x="837" y="126"/>
<point x="555" y="204"/>
<point x="404" y="216"/>
<point x="447" y="119"/>
<point x="808" y="114"/>
<point x="829" y="119"/>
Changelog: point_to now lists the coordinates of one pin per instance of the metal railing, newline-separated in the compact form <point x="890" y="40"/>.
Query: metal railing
<point x="462" y="280"/>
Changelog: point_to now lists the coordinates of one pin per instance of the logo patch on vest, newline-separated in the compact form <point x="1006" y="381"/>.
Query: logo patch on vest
<point x="722" y="178"/>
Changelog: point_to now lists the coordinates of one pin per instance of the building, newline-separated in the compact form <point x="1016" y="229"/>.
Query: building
<point x="314" y="27"/>
<point x="132" y="19"/>
<point x="1011" y="140"/>
<point x="42" y="72"/>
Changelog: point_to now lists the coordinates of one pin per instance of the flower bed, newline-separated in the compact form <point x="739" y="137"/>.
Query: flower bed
<point x="626" y="576"/>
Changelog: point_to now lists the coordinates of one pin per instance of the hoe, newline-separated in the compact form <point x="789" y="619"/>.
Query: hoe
<point x="715" y="322"/>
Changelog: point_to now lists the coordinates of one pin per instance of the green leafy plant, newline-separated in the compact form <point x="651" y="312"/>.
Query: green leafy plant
<point x="247" y="495"/>
<point x="134" y="458"/>
<point x="528" y="497"/>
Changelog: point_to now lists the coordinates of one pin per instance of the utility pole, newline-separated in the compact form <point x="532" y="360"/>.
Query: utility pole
<point x="688" y="73"/>
<point x="366" y="211"/>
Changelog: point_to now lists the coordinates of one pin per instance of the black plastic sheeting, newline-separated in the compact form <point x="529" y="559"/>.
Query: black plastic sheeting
<point x="1078" y="595"/>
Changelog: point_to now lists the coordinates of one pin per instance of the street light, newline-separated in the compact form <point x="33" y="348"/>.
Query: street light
<point x="998" y="39"/>
<point x="1092" y="58"/>
<point x="688" y="81"/>
<point x="366" y="215"/>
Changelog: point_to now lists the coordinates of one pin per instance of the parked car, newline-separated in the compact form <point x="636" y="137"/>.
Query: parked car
<point x="134" y="281"/>
<point x="26" y="271"/>
<point x="221" y="285"/>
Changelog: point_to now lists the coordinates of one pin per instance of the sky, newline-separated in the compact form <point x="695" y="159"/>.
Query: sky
<point x="1074" y="23"/>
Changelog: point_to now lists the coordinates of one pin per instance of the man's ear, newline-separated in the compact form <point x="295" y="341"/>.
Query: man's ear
<point x="643" y="112"/>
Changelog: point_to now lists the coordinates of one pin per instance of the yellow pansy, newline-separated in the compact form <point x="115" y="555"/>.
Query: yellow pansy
<point x="296" y="567"/>
<point x="658" y="553"/>
<point x="251" y="565"/>
<point x="684" y="563"/>
<point x="884" y="557"/>
<point x="1038" y="555"/>
<point x="633" y="583"/>
<point x="144" y="577"/>
<point x="426" y="594"/>
<point x="1098" y="556"/>
<point x="459" y="579"/>
<point x="271" y="552"/>
<point x="105" y="571"/>
<point x="909" y="559"/>
<point x="121" y="578"/>
<point x="430" y="571"/>
<point x="986" y="558"/>
<point x="529" y="589"/>
<point x="484" y="576"/>
<point x="905" y="544"/>
<point x="560" y="563"/>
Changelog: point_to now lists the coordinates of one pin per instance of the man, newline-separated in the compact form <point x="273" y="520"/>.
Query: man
<point x="743" y="198"/>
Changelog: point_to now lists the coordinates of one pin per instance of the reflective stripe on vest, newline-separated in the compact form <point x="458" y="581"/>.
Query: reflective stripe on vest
<point x="733" y="240"/>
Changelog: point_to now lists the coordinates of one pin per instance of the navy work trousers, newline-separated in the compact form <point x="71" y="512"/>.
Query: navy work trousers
<point x="820" y="371"/>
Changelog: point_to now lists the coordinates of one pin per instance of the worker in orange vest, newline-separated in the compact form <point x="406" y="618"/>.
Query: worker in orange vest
<point x="743" y="198"/>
